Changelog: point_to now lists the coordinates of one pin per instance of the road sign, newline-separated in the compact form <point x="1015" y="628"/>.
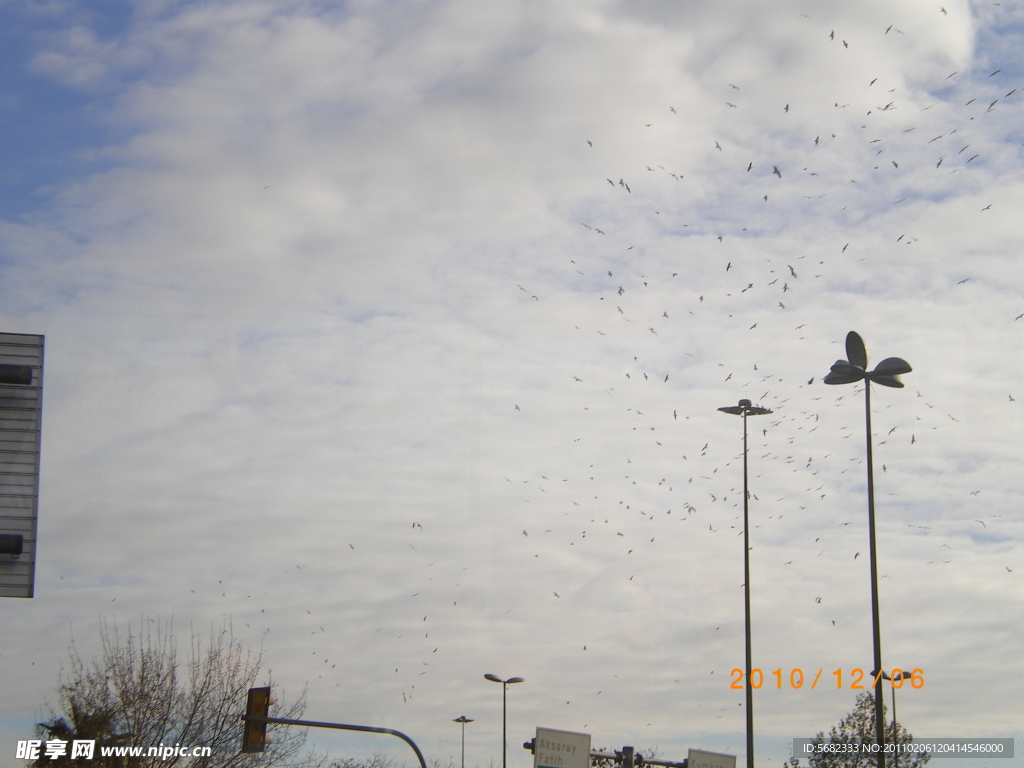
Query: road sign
<point x="699" y="759"/>
<point x="21" y="410"/>
<point x="561" y="749"/>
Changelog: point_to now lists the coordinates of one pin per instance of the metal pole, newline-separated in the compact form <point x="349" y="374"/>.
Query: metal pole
<point x="746" y="600"/>
<point x="873" y="555"/>
<point x="463" y="719"/>
<point x="344" y="727"/>
<point x="744" y="409"/>
<point x="895" y="733"/>
<point x="504" y="712"/>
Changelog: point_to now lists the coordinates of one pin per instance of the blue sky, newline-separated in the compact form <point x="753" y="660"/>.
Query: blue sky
<point x="396" y="333"/>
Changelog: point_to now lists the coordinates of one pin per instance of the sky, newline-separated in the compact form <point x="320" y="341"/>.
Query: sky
<point x="395" y="334"/>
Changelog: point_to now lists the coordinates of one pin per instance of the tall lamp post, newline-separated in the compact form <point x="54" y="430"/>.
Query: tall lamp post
<point x="504" y="713"/>
<point x="745" y="409"/>
<point x="887" y="374"/>
<point x="463" y="719"/>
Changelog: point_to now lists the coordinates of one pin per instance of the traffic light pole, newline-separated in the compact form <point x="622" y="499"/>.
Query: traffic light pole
<point x="341" y="726"/>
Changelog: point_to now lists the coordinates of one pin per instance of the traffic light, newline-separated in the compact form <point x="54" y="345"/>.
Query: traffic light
<point x="254" y="735"/>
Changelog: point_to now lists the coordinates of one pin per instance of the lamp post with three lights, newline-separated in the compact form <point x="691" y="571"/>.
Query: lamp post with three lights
<point x="886" y="373"/>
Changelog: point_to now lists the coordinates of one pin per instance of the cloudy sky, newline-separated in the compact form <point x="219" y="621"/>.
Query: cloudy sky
<point x="395" y="333"/>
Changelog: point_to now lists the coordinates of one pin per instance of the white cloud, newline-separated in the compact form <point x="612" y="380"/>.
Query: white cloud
<point x="332" y="343"/>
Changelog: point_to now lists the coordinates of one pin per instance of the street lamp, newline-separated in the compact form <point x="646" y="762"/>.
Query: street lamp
<point x="898" y="676"/>
<point x="887" y="374"/>
<point x="504" y="712"/>
<point x="463" y="719"/>
<point x="745" y="409"/>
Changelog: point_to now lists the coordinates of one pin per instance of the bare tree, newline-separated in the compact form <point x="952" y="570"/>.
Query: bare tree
<point x="138" y="694"/>
<point x="381" y="760"/>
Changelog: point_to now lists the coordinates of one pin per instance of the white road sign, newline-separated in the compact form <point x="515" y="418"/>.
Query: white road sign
<point x="561" y="749"/>
<point x="700" y="759"/>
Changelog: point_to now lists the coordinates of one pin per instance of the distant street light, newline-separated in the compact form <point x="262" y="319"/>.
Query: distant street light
<point x="463" y="719"/>
<point x="887" y="374"/>
<point x="899" y="676"/>
<point x="504" y="712"/>
<point x="745" y="409"/>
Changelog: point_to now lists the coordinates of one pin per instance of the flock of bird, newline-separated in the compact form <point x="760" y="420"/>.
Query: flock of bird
<point x="654" y="304"/>
<point x="627" y="492"/>
<point x="638" y="477"/>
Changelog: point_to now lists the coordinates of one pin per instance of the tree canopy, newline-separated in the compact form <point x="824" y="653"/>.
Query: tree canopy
<point x="859" y="725"/>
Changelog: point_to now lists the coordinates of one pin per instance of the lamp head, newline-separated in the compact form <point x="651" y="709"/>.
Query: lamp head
<point x="744" y="407"/>
<point x="888" y="371"/>
<point x="853" y="369"/>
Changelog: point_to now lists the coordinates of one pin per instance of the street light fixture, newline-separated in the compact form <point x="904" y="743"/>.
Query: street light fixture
<point x="463" y="719"/>
<point x="887" y="374"/>
<point x="744" y="409"/>
<point x="504" y="712"/>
